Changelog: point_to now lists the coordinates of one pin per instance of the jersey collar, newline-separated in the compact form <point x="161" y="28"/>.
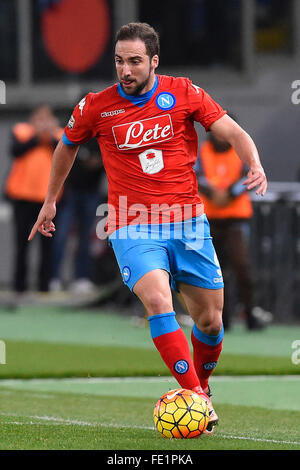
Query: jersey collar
<point x="139" y="100"/>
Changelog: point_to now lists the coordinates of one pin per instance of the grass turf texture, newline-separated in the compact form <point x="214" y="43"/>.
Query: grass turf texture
<point x="71" y="421"/>
<point x="37" y="359"/>
<point x="56" y="342"/>
<point x="53" y="342"/>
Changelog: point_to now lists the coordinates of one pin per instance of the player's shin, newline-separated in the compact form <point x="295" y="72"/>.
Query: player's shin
<point x="174" y="349"/>
<point x="207" y="349"/>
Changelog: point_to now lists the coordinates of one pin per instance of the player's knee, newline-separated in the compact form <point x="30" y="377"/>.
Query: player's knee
<point x="211" y="324"/>
<point x="215" y="328"/>
<point x="212" y="329"/>
<point x="157" y="302"/>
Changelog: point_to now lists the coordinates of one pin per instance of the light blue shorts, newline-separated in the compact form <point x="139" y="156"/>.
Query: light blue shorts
<point x="183" y="249"/>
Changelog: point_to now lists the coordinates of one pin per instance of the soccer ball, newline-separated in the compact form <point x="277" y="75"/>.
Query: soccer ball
<point x="181" y="413"/>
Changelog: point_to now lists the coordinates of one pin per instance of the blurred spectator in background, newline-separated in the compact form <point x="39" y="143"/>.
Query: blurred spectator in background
<point x="32" y="146"/>
<point x="77" y="210"/>
<point x="229" y="210"/>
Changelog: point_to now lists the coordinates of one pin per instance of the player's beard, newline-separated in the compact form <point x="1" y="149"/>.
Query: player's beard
<point x="139" y="88"/>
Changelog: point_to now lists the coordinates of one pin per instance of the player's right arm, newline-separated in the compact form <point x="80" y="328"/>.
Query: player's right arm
<point x="63" y="159"/>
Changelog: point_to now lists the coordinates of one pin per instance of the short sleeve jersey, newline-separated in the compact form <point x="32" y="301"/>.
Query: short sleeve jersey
<point x="149" y="147"/>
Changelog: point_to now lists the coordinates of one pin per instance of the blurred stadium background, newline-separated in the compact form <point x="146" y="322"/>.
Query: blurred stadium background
<point x="246" y="53"/>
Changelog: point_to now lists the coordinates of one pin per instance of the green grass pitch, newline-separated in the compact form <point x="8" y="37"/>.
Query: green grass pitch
<point x="86" y="380"/>
<point x="49" y="420"/>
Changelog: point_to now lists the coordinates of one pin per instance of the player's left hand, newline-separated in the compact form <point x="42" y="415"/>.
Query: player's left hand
<point x="256" y="178"/>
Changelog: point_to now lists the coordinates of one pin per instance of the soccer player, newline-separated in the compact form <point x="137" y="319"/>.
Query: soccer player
<point x="156" y="223"/>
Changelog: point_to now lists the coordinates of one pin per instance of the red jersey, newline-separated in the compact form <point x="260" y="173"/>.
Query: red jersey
<point x="149" y="147"/>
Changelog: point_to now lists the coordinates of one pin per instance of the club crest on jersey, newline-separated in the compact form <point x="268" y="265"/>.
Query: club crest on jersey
<point x="165" y="100"/>
<point x="144" y="132"/>
<point x="126" y="273"/>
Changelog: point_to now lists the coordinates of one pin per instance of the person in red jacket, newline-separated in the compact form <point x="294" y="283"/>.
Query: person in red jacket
<point x="228" y="207"/>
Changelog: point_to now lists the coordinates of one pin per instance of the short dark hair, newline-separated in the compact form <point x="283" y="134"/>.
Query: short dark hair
<point x="142" y="31"/>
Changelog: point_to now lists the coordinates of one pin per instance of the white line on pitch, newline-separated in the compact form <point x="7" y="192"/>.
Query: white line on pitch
<point x="70" y="422"/>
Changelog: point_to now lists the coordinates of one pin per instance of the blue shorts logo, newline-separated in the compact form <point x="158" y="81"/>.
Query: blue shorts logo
<point x="209" y="365"/>
<point x="165" y="100"/>
<point x="126" y="273"/>
<point x="181" y="367"/>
